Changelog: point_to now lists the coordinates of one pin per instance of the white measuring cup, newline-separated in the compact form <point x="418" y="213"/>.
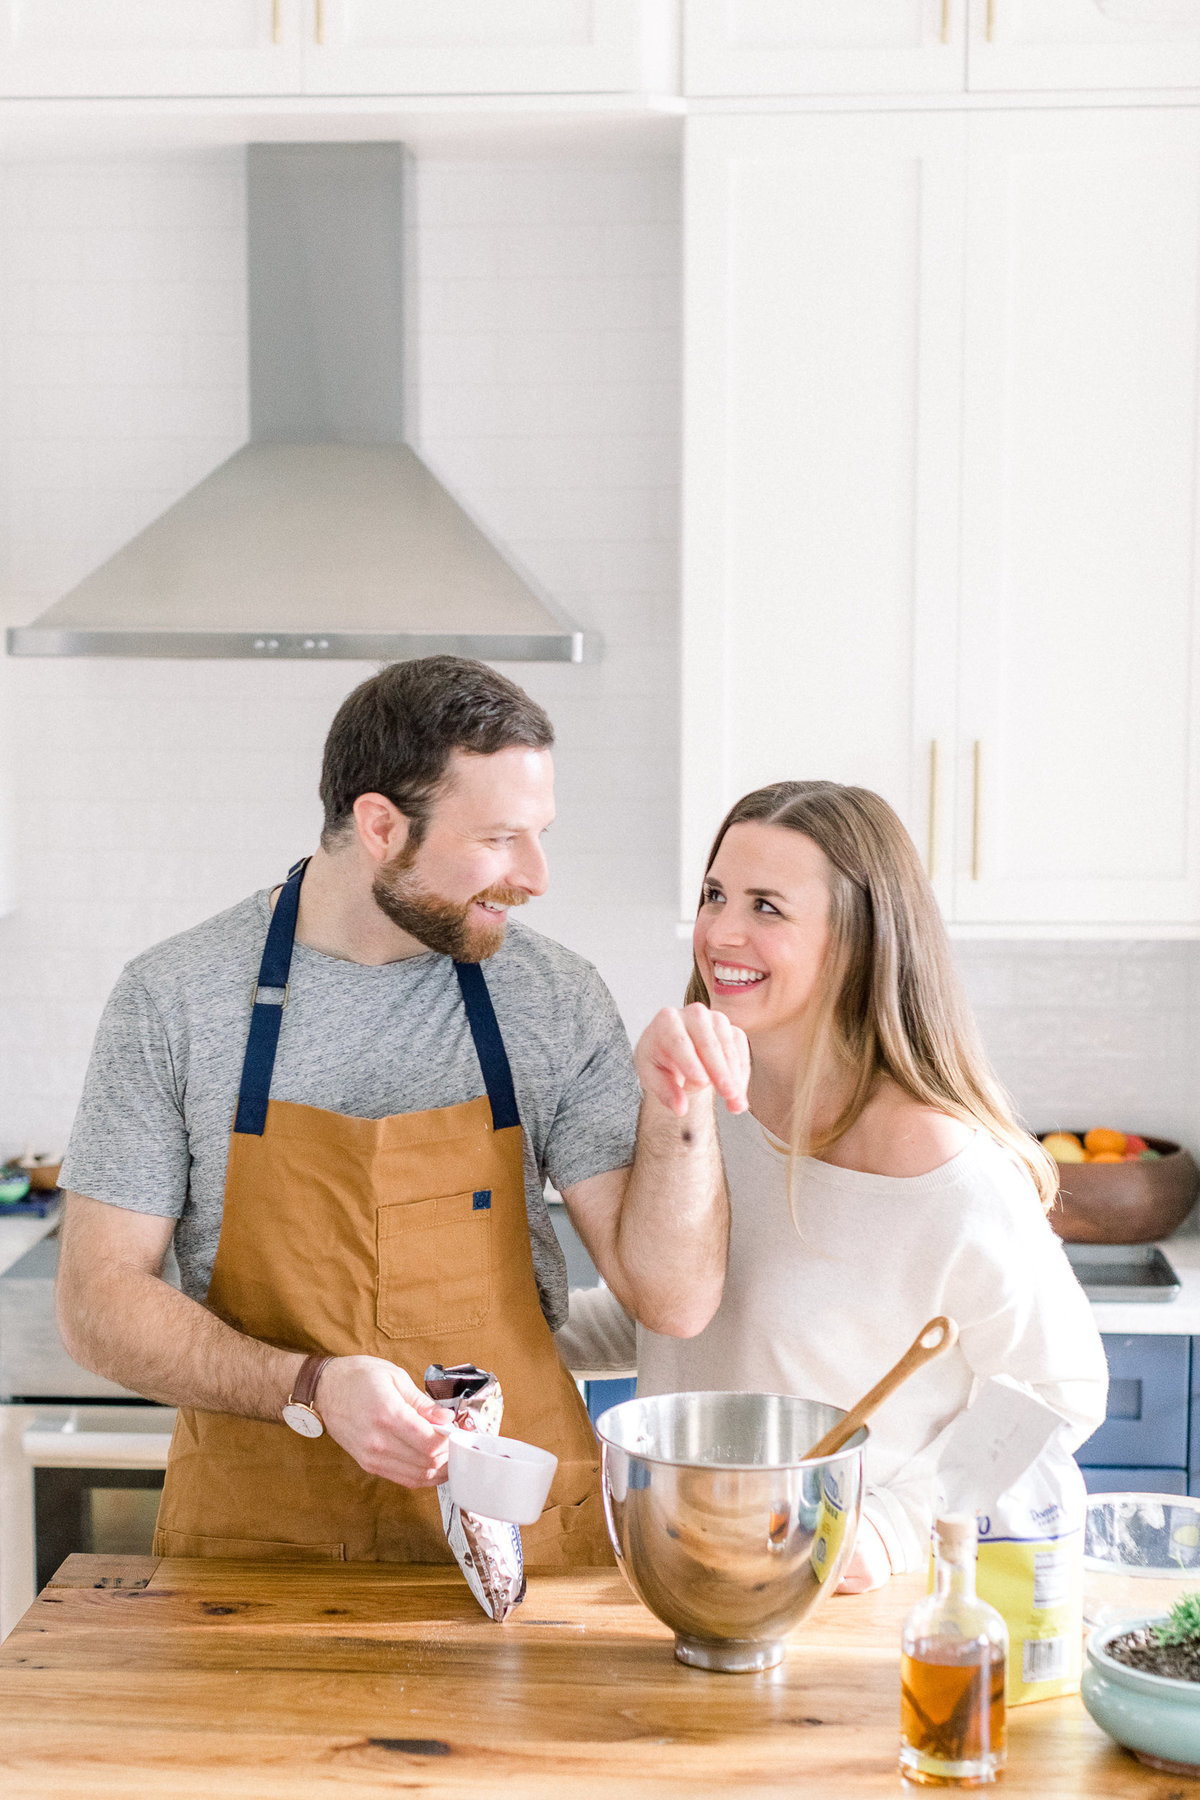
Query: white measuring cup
<point x="498" y="1477"/>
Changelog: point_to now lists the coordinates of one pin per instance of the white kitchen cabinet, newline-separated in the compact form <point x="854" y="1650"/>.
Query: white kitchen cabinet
<point x="1078" y="665"/>
<point x="1026" y="45"/>
<point x="824" y="46"/>
<point x="150" y="47"/>
<point x="329" y="47"/>
<point x="822" y="342"/>
<point x="481" y="47"/>
<point x="941" y="489"/>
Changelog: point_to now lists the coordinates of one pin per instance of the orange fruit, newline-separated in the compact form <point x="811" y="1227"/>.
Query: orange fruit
<point x="1104" y="1156"/>
<point x="1103" y="1139"/>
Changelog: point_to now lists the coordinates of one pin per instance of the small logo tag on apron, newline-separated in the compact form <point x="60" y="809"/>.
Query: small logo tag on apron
<point x="482" y="1200"/>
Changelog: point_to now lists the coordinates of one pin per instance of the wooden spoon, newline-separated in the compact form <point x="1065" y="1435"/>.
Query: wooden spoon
<point x="940" y="1334"/>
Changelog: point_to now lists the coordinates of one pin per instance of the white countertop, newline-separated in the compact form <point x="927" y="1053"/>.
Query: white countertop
<point x="21" y="1234"/>
<point x="1148" y="1318"/>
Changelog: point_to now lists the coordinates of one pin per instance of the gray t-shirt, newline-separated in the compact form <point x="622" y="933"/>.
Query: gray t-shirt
<point x="152" y="1131"/>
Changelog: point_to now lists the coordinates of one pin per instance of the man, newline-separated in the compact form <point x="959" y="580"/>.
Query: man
<point x="378" y="1205"/>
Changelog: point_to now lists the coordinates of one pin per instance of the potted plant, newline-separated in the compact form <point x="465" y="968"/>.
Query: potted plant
<point x="1142" y="1686"/>
<point x="14" y="1183"/>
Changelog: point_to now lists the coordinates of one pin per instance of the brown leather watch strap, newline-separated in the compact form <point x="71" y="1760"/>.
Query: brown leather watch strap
<point x="304" y="1391"/>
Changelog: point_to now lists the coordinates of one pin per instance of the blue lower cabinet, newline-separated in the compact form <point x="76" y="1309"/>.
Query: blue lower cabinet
<point x="603" y="1394"/>
<point x="1194" y="1438"/>
<point x="1135" y="1481"/>
<point x="1149" y="1394"/>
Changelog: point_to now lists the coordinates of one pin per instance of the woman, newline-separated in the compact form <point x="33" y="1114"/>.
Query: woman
<point x="878" y="1177"/>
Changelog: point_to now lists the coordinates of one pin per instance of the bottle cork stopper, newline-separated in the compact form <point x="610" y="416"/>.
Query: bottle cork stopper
<point x="956" y="1537"/>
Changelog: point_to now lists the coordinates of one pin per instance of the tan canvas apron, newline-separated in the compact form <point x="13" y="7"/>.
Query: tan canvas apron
<point x="405" y="1238"/>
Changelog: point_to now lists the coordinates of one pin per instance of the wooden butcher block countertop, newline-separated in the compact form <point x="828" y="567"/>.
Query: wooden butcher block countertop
<point x="131" y="1676"/>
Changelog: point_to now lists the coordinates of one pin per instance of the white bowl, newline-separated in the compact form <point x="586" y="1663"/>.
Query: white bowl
<point x="499" y="1477"/>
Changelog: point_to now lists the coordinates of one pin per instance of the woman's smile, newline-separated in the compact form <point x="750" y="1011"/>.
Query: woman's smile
<point x="735" y="978"/>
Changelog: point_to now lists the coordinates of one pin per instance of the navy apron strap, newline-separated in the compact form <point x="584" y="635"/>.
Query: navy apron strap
<point x="266" y="1016"/>
<point x="489" y="1045"/>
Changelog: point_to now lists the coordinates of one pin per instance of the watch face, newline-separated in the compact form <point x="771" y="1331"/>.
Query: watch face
<point x="303" y="1419"/>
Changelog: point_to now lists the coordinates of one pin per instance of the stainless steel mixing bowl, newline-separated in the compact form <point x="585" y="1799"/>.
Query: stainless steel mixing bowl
<point x="722" y="1527"/>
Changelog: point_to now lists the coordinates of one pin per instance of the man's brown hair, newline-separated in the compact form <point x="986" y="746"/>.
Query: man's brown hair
<point x="395" y="733"/>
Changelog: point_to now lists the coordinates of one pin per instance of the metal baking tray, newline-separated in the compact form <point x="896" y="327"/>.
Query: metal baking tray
<point x="1123" y="1271"/>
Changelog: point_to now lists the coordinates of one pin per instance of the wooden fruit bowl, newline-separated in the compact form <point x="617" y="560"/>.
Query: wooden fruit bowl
<point x="1128" y="1202"/>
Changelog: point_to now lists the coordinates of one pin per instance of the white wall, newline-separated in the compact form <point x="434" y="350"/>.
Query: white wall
<point x="1094" y="1033"/>
<point x="147" y="795"/>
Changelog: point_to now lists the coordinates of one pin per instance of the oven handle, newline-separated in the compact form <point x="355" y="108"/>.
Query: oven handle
<point x="61" y="1447"/>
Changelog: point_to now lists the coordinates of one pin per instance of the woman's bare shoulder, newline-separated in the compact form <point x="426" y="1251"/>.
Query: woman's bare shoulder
<point x="897" y="1135"/>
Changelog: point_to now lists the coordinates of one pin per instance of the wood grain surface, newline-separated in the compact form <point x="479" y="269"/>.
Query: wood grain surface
<point x="131" y="1677"/>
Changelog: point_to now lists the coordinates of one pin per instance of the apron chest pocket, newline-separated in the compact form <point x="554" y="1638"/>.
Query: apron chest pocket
<point x="434" y="1264"/>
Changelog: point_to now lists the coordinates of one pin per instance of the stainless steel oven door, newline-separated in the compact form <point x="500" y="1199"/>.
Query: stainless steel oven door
<point x="74" y="1478"/>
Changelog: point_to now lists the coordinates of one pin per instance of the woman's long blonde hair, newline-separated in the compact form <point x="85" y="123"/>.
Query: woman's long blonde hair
<point x="889" y="1000"/>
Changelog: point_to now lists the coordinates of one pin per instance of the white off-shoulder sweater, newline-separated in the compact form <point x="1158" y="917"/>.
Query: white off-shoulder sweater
<point x="823" y="1306"/>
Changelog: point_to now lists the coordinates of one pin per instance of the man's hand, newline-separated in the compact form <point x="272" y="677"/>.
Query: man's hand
<point x="870" y="1566"/>
<point x="686" y="1051"/>
<point x="378" y="1414"/>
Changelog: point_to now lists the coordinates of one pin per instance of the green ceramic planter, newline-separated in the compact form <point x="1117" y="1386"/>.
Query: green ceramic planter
<point x="1158" y="1719"/>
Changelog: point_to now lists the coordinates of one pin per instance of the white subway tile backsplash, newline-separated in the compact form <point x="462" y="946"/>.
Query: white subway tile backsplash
<point x="46" y="256"/>
<point x="640" y="356"/>
<point x="79" y="197"/>
<point x="81" y="307"/>
<point x="58" y="412"/>
<point x="148" y="360"/>
<point x="108" y="255"/>
<point x="208" y="195"/>
<point x="574" y="357"/>
<point x="549" y="192"/>
<point x="190" y="412"/>
<point x="626" y="568"/>
<point x="537" y="253"/>
<point x="633" y="459"/>
<point x="1093" y="1032"/>
<point x="586" y="515"/>
<point x="215" y="359"/>
<point x="446" y="357"/>
<point x="201" y="305"/>
<point x="38" y="360"/>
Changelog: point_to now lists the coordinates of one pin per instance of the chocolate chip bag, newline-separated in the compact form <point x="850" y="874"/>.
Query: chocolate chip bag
<point x="488" y="1551"/>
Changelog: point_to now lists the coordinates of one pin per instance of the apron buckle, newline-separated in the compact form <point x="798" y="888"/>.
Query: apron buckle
<point x="287" y="988"/>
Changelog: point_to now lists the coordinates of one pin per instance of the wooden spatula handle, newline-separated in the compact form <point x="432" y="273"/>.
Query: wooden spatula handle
<point x="930" y="1342"/>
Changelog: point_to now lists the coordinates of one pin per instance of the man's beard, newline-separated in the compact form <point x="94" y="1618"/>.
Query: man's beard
<point x="441" y="925"/>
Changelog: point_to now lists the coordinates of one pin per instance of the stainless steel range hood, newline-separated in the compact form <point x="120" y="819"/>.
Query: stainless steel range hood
<point x="326" y="535"/>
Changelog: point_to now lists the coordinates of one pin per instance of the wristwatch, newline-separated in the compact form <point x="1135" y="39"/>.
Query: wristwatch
<point x="300" y="1413"/>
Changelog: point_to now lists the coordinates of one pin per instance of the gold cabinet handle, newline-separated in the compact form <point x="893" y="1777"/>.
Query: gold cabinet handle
<point x="277" y="21"/>
<point x="319" y="21"/>
<point x="931" y="858"/>
<point x="976" y="808"/>
<point x="945" y="21"/>
<point x="991" y="20"/>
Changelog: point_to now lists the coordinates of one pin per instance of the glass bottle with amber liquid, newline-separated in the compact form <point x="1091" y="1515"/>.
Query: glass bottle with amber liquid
<point x="952" y="1657"/>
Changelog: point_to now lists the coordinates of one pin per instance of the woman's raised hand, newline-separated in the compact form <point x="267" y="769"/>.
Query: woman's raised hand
<point x="687" y="1050"/>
